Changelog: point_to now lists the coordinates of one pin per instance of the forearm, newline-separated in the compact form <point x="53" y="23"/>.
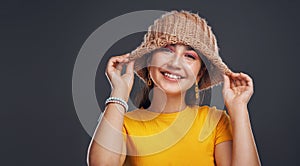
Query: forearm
<point x="107" y="144"/>
<point x="244" y="148"/>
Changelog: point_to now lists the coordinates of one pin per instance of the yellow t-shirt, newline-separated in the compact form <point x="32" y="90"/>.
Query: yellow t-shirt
<point x="187" y="137"/>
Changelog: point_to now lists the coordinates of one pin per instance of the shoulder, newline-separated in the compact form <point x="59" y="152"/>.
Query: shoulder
<point x="139" y="115"/>
<point x="211" y="118"/>
<point x="209" y="111"/>
<point x="213" y="115"/>
<point x="135" y="112"/>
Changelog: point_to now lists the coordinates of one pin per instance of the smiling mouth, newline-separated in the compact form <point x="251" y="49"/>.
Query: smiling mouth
<point x="172" y="76"/>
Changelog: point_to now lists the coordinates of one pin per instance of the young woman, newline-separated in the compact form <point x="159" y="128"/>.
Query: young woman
<point x="178" y="58"/>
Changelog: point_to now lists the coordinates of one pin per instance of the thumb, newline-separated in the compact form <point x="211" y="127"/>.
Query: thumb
<point x="226" y="82"/>
<point x="129" y="68"/>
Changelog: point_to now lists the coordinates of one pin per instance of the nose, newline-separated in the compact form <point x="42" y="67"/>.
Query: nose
<point x="175" y="61"/>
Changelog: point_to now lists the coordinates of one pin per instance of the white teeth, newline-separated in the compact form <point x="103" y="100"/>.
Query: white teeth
<point x="172" y="76"/>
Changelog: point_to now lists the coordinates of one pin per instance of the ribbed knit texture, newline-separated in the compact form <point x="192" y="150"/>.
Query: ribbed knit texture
<point x="182" y="27"/>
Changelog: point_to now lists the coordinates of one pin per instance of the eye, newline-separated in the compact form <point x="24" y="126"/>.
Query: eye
<point x="169" y="48"/>
<point x="191" y="56"/>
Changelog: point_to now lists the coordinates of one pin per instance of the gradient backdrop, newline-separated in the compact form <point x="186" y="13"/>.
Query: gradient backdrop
<point x="40" y="42"/>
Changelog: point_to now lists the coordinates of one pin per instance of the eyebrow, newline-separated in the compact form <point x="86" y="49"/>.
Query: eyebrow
<point x="190" y="48"/>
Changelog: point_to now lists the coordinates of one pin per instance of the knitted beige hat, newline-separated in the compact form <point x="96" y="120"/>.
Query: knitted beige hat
<point x="182" y="27"/>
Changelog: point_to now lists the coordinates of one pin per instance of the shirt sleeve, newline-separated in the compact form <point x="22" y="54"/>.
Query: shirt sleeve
<point x="223" y="129"/>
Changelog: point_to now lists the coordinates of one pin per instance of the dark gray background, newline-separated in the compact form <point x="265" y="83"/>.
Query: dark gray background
<point x="40" y="42"/>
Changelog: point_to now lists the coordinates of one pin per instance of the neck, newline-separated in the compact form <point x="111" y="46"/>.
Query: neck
<point x="166" y="103"/>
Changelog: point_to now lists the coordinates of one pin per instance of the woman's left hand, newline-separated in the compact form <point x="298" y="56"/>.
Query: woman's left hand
<point x="237" y="90"/>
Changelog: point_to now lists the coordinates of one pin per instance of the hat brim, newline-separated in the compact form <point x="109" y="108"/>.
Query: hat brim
<point x="213" y="76"/>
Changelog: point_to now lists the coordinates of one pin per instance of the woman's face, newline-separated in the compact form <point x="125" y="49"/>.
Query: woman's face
<point x="175" y="69"/>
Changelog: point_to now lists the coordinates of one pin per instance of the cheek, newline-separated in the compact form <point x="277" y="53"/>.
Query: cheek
<point x="157" y="61"/>
<point x="161" y="58"/>
<point x="194" y="69"/>
<point x="155" y="75"/>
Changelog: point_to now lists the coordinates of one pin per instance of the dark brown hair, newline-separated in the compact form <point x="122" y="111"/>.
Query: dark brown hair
<point x="141" y="96"/>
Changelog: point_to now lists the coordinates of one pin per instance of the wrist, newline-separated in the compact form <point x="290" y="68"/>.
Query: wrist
<point x="118" y="101"/>
<point x="237" y="106"/>
<point x="120" y="94"/>
<point x="238" y="114"/>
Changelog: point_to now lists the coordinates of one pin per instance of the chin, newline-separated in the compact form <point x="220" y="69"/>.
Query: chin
<point x="172" y="89"/>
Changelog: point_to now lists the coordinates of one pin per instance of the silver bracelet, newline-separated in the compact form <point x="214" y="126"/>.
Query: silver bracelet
<point x="118" y="101"/>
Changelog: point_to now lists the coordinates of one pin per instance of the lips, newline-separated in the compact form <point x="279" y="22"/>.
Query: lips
<point x="171" y="75"/>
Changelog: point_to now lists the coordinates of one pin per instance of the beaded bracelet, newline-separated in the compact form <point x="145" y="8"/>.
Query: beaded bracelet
<point x="118" y="101"/>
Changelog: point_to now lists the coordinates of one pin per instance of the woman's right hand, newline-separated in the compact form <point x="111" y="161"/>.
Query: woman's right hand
<point x="121" y="84"/>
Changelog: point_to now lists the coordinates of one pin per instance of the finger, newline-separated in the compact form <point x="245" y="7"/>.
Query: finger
<point x="129" y="68"/>
<point x="241" y="79"/>
<point x="110" y="65"/>
<point x="232" y="78"/>
<point x="232" y="83"/>
<point x="232" y="74"/>
<point x="226" y="82"/>
<point x="236" y="76"/>
<point x="124" y="61"/>
<point x="247" y="79"/>
<point x="243" y="82"/>
<point x="115" y="64"/>
<point x="121" y="58"/>
<point x="246" y="76"/>
<point x="123" y="55"/>
<point x="119" y="66"/>
<point x="237" y="82"/>
<point x="126" y="55"/>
